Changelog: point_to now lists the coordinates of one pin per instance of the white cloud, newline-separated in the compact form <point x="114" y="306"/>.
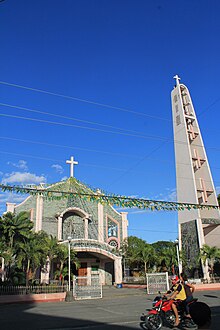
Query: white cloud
<point x="64" y="178"/>
<point x="23" y="178"/>
<point x="172" y="197"/>
<point x="58" y="168"/>
<point x="22" y="164"/>
<point x="9" y="197"/>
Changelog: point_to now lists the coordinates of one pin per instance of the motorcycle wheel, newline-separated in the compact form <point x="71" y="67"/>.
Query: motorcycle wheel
<point x="169" y="318"/>
<point x="153" y="322"/>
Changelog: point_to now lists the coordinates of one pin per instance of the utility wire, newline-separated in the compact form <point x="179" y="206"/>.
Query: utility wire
<point x="66" y="117"/>
<point x="82" y="100"/>
<point x="69" y="147"/>
<point x="82" y="127"/>
<point x="133" y="133"/>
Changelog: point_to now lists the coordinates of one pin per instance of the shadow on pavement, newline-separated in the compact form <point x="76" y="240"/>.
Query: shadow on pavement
<point x="18" y="316"/>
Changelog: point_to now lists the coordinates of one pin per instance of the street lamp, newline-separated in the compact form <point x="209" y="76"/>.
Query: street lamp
<point x="178" y="255"/>
<point x="69" y="241"/>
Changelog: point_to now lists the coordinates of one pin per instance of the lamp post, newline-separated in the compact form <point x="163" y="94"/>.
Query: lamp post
<point x="178" y="255"/>
<point x="69" y="241"/>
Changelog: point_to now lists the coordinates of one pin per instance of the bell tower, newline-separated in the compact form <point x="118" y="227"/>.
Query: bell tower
<point x="193" y="179"/>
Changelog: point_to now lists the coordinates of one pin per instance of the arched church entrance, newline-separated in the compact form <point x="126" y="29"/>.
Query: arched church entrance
<point x="92" y="263"/>
<point x="74" y="224"/>
<point x="95" y="256"/>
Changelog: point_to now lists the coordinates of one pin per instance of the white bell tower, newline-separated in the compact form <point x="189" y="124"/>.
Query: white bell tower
<point x="193" y="178"/>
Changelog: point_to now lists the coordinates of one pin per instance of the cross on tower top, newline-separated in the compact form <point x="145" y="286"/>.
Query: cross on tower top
<point x="72" y="163"/>
<point x="177" y="79"/>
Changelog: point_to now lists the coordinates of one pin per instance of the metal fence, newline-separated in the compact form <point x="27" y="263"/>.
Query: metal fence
<point x="24" y="290"/>
<point x="87" y="287"/>
<point x="157" y="282"/>
<point x="134" y="279"/>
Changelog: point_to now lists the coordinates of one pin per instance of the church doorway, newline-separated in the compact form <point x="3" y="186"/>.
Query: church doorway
<point x="82" y="274"/>
<point x="82" y="271"/>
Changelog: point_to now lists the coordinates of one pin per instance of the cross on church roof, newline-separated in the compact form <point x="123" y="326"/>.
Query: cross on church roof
<point x="72" y="163"/>
<point x="177" y="79"/>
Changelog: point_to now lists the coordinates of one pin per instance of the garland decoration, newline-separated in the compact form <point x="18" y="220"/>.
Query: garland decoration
<point x="86" y="193"/>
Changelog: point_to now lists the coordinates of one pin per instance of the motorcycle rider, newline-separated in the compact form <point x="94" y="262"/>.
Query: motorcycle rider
<point x="178" y="294"/>
<point x="189" y="289"/>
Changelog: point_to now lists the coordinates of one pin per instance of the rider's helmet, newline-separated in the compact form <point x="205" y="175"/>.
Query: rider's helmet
<point x="175" y="279"/>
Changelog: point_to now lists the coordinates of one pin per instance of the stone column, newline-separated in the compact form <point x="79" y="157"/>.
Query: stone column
<point x="10" y="207"/>
<point x="100" y="223"/>
<point x="124" y="225"/>
<point x="89" y="273"/>
<point x="39" y="213"/>
<point x="118" y="270"/>
<point x="59" y="228"/>
<point x="86" y="224"/>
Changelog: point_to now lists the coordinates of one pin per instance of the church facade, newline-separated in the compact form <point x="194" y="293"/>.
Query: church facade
<point x="95" y="230"/>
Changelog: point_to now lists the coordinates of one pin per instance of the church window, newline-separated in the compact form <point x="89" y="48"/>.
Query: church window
<point x="112" y="228"/>
<point x="73" y="226"/>
<point x="175" y="98"/>
<point x="113" y="243"/>
<point x="178" y="122"/>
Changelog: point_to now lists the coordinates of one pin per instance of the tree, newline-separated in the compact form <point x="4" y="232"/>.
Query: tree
<point x="32" y="253"/>
<point x="148" y="256"/>
<point x="167" y="255"/>
<point x="210" y="254"/>
<point x="13" y="229"/>
<point x="131" y="250"/>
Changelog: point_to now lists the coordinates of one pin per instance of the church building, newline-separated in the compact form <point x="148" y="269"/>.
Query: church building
<point x="200" y="225"/>
<point x="95" y="230"/>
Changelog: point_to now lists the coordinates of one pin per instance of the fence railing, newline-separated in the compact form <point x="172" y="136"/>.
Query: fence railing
<point x="24" y="290"/>
<point x="87" y="287"/>
<point x="134" y="280"/>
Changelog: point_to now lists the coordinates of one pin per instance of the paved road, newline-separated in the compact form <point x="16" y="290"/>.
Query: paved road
<point x="119" y="309"/>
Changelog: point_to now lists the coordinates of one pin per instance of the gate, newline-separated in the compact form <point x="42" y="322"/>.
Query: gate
<point x="87" y="287"/>
<point x="157" y="282"/>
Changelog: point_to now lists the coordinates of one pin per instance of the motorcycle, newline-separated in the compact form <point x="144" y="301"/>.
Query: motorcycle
<point x="162" y="314"/>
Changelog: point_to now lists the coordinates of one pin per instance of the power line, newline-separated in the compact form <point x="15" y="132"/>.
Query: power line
<point x="69" y="147"/>
<point x="92" y="165"/>
<point x="82" y="100"/>
<point x="95" y="150"/>
<point x="135" y="133"/>
<point x="82" y="127"/>
<point x="65" y="117"/>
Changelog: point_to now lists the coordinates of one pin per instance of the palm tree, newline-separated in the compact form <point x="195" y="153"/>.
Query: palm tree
<point x="209" y="254"/>
<point x="147" y="256"/>
<point x="62" y="257"/>
<point x="168" y="256"/>
<point x="13" y="229"/>
<point x="132" y="249"/>
<point x="31" y="254"/>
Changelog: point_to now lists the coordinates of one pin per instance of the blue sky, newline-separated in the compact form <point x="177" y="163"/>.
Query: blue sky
<point x="92" y="79"/>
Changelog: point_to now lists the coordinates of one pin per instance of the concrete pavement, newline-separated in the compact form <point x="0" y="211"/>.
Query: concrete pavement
<point x="119" y="309"/>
